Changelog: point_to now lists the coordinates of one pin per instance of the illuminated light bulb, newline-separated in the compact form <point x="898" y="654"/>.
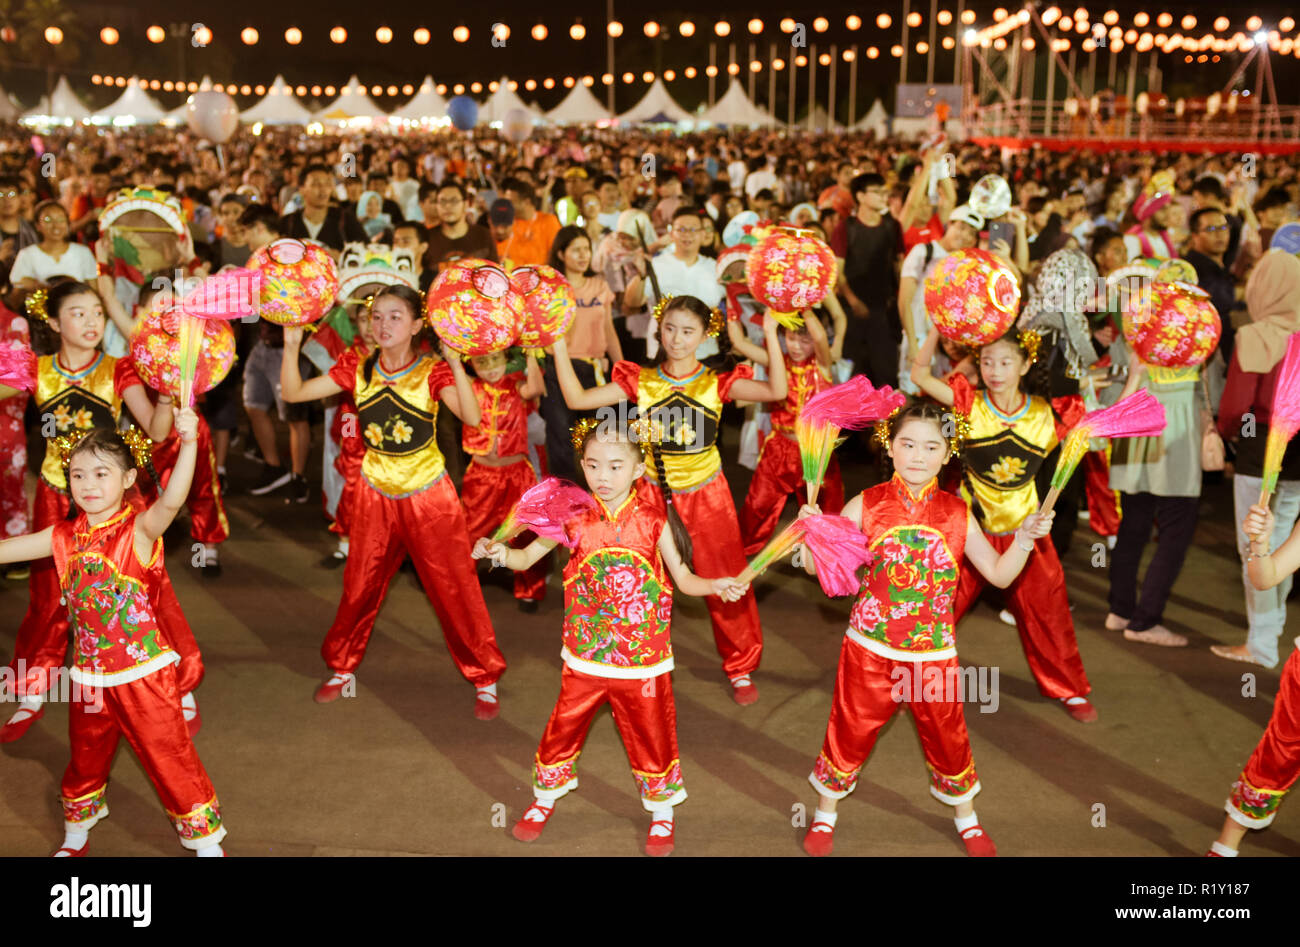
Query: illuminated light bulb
<point x="330" y="90"/>
<point x="376" y="90"/>
<point x="1286" y="24"/>
<point x="1082" y="27"/>
<point x="1000" y="43"/>
<point x="778" y="64"/>
<point x="734" y="68"/>
<point x="1165" y="20"/>
<point x="1221" y="23"/>
<point x="873" y="52"/>
<point x="1188" y="22"/>
<point x="756" y="25"/>
<point x="968" y="17"/>
<point x="847" y="55"/>
<point x="1131" y="37"/>
<point x="338" y="35"/>
<point x="628" y="78"/>
<point x="1141" y="20"/>
<point x="944" y="17"/>
<point x="914" y="19"/>
<point x="896" y="51"/>
<point x="921" y="49"/>
<point x="570" y="82"/>
<point x="1254" y="23"/>
<point x="1051" y="15"/>
<point x="722" y="28"/>
<point x="578" y="32"/>
<point x="458" y="89"/>
<point x="392" y="90"/>
<point x="249" y="36"/>
<point x="615" y="29"/>
<point x="539" y="32"/>
<point x="422" y="36"/>
<point x="588" y="81"/>
<point x="1110" y="18"/>
<point x="156" y="34"/>
<point x="1027" y="43"/>
<point x="493" y="85"/>
<point x="548" y="83"/>
<point x="53" y="35"/>
<point x="801" y="61"/>
<point x="1065" y="25"/>
<point x="315" y="91"/>
<point x="607" y="79"/>
<point x="883" y="21"/>
<point x="460" y="34"/>
<point x="651" y="29"/>
<point x="948" y="42"/>
<point x="686" y="28"/>
<point x="108" y="36"/>
<point x="293" y="36"/>
<point x="691" y="72"/>
<point x="852" y="22"/>
<point x="384" y="34"/>
<point x="476" y="87"/>
<point x="755" y="66"/>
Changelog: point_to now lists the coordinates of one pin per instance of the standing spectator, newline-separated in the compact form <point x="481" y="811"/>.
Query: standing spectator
<point x="411" y="235"/>
<point x="1209" y="241"/>
<point x="1273" y="300"/>
<point x="760" y="177"/>
<point x="607" y="191"/>
<point x="593" y="344"/>
<point x="501" y="218"/>
<point x="456" y="238"/>
<point x="429" y="206"/>
<point x="533" y="232"/>
<point x="669" y="189"/>
<point x="86" y="206"/>
<point x="232" y="245"/>
<point x="680" y="271"/>
<point x="838" y="195"/>
<point x="867" y="246"/>
<point x="55" y="255"/>
<point x="319" y="219"/>
<point x="16" y="234"/>
<point x="405" y="190"/>
<point x="1209" y="194"/>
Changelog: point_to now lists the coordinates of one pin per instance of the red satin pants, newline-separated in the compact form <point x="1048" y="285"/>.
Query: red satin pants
<point x="780" y="473"/>
<point x="148" y="713"/>
<point x="1038" y="601"/>
<point x="488" y="495"/>
<point x="42" y="639"/>
<point x="1274" y="766"/>
<point x="1103" y="502"/>
<point x="429" y="525"/>
<point x="869" y="688"/>
<point x="208" y="523"/>
<point x="646" y="718"/>
<point x="710" y="516"/>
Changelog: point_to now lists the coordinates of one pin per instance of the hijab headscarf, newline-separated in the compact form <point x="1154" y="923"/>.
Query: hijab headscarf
<point x="1273" y="299"/>
<point x="1058" y="298"/>
<point x="374" y="226"/>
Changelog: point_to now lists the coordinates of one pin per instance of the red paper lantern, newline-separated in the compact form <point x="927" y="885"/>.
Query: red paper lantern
<point x="299" y="282"/>
<point x="972" y="297"/>
<point x="156" y="351"/>
<point x="1172" y="325"/>
<point x="473" y="307"/>
<point x="790" y="270"/>
<point x="549" y="305"/>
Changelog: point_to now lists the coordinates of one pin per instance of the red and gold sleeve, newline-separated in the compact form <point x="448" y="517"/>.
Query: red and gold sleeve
<point x="344" y="371"/>
<point x="627" y="375"/>
<point x="727" y="379"/>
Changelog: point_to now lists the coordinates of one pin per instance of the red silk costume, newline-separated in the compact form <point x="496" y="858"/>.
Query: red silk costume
<point x="489" y="492"/>
<point x="618" y="606"/>
<point x="208" y="523"/>
<point x="1000" y="457"/>
<point x="1274" y="766"/>
<point x="88" y="398"/>
<point x="122" y="654"/>
<point x="690" y="410"/>
<point x="1103" y="502"/>
<point x="346" y="431"/>
<point x="405" y="503"/>
<point x="780" y="470"/>
<point x="901" y="630"/>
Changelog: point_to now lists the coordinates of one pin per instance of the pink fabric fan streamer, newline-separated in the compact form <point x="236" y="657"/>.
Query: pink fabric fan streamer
<point x="838" y="549"/>
<point x="228" y="295"/>
<point x="18" y="368"/>
<point x="852" y="405"/>
<point x="550" y="505"/>
<point x="1138" y="415"/>
<point x="1286" y="396"/>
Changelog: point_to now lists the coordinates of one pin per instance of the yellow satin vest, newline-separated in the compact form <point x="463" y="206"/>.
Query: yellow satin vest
<point x="1002" y="455"/>
<point x="78" y="401"/>
<point x="689" y="409"/>
<point x="399" y="417"/>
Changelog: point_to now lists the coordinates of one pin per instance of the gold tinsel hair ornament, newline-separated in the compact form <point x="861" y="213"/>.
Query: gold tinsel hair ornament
<point x="580" y="431"/>
<point x="35" y="304"/>
<point x="137" y="442"/>
<point x="883" y="431"/>
<point x="717" y="321"/>
<point x="1030" y="341"/>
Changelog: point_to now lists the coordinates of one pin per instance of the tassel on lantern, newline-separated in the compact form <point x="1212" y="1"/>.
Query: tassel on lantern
<point x="852" y="405"/>
<point x="838" y="549"/>
<point x="545" y="508"/>
<point x="1138" y="415"/>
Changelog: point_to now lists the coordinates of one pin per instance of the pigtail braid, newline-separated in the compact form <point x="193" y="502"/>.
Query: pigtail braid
<point x="681" y="536"/>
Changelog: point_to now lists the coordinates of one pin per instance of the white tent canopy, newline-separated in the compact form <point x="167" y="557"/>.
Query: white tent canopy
<point x="427" y="105"/>
<point x="63" y="105"/>
<point x="656" y="105"/>
<point x="579" y="106"/>
<point x="876" y="119"/>
<point x="278" y="107"/>
<point x="734" y="108"/>
<point x="134" y="104"/>
<point x="821" y="121"/>
<point x="9" y="109"/>
<point x="351" y="103"/>
<point x="501" y="102"/>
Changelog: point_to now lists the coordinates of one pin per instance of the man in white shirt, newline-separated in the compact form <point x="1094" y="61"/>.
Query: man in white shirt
<point x="963" y="232"/>
<point x="681" y="271"/>
<point x="761" y="176"/>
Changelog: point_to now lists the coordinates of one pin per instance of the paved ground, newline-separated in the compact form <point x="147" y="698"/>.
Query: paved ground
<point x="406" y="769"/>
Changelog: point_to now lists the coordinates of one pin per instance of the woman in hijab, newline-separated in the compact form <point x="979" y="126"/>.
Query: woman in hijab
<point x="1273" y="300"/>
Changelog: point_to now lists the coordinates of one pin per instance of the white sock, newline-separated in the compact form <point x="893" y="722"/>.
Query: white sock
<point x="827" y="817"/>
<point x="1220" y="849"/>
<point x="188" y="702"/>
<point x="742" y="681"/>
<point x="209" y="554"/>
<point x="1074" y="700"/>
<point x="210" y="851"/>
<point x="662" y="815"/>
<point x="343" y="545"/>
<point x="220" y="469"/>
<point x="546" y="805"/>
<point x="966" y="822"/>
<point x="30" y="704"/>
<point x="487" y="690"/>
<point x="74" y="839"/>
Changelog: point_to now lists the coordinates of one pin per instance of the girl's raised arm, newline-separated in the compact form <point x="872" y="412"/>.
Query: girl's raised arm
<point x="775" y="388"/>
<point x="577" y="397"/>
<point x="154" y="521"/>
<point x="924" y="378"/>
<point x="459" y="397"/>
<point x="292" y="387"/>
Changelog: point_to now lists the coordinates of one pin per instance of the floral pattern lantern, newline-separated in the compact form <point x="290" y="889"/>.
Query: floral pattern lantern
<point x="1172" y="325"/>
<point x="972" y="297"/>
<point x="156" y="351"/>
<point x="549" y="305"/>
<point x="474" y="308"/>
<point x="298" y="282"/>
<point x="790" y="270"/>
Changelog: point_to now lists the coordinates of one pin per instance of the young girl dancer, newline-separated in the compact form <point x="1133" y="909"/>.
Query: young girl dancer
<point x="1011" y="432"/>
<point x="109" y="562"/>
<point x="1273" y="768"/>
<point x="404" y="502"/>
<point x="903" y="621"/>
<point x="686" y="399"/>
<point x="499" y="470"/>
<point x="617" y="609"/>
<point x="780" y="471"/>
<point x="77" y="389"/>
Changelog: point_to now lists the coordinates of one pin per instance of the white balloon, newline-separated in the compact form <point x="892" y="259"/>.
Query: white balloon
<point x="517" y="125"/>
<point x="213" y="115"/>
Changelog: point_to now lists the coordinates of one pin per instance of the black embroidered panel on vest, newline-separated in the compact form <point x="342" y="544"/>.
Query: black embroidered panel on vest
<point x="688" y="427"/>
<point x="66" y="405"/>
<point x="399" y="428"/>
<point x="1004" y="462"/>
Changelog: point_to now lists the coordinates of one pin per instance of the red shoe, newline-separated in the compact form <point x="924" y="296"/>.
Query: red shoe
<point x="1084" y="713"/>
<point x="72" y="852"/>
<point x="1212" y="854"/>
<point x="486" y="706"/>
<point x="526" y="829"/>
<point x="659" y="845"/>
<point x="332" y="689"/>
<point x="743" y="694"/>
<point x="978" y="843"/>
<point x="12" y="730"/>
<point x="819" y="841"/>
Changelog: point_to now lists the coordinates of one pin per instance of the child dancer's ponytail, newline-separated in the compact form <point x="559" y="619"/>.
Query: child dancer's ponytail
<point x="681" y="537"/>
